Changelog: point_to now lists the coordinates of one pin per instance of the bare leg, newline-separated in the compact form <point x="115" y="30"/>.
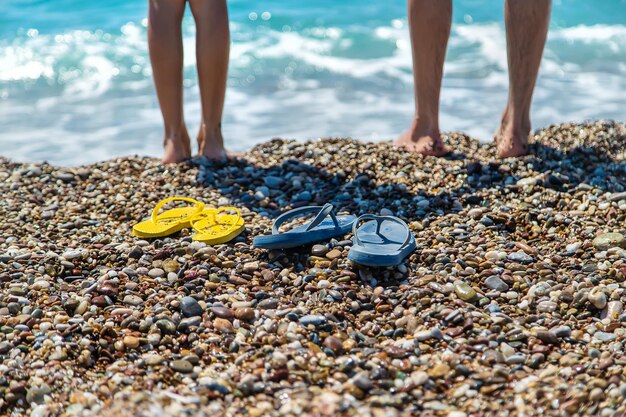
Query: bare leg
<point x="526" y="30"/>
<point x="166" y="54"/>
<point x="212" y="49"/>
<point x="429" y="23"/>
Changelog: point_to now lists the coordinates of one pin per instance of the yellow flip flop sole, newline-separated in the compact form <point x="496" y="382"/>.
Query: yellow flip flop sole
<point x="219" y="226"/>
<point x="170" y="221"/>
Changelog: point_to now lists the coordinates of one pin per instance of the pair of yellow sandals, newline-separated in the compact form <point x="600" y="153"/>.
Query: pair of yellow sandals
<point x="212" y="226"/>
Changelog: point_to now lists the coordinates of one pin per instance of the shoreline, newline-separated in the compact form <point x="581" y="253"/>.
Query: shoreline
<point x="513" y="299"/>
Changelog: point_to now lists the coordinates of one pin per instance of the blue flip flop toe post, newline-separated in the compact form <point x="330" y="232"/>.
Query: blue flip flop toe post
<point x="326" y="225"/>
<point x="381" y="241"/>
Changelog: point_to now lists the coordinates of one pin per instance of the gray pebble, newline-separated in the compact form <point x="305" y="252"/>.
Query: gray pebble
<point x="190" y="307"/>
<point x="495" y="283"/>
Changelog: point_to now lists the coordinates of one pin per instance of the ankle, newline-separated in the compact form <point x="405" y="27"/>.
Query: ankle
<point x="178" y="134"/>
<point x="424" y="127"/>
<point x="515" y="123"/>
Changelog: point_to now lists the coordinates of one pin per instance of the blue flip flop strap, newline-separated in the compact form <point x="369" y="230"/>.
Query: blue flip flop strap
<point x="322" y="212"/>
<point x="379" y="221"/>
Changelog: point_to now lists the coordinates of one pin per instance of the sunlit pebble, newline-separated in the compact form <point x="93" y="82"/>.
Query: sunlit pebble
<point x="266" y="15"/>
<point x="253" y="16"/>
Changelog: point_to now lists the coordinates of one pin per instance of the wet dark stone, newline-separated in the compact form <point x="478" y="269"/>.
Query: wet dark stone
<point x="190" y="307"/>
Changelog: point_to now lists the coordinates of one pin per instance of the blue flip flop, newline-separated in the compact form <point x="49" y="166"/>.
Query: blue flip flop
<point x="382" y="241"/>
<point x="326" y="225"/>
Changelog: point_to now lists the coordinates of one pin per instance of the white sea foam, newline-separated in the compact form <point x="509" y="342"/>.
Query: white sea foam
<point x="82" y="96"/>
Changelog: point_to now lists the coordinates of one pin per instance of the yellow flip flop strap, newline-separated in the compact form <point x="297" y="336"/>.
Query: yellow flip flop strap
<point x="214" y="221"/>
<point x="199" y="206"/>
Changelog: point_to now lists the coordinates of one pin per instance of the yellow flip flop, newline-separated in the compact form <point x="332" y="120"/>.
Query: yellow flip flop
<point x="170" y="221"/>
<point x="219" y="226"/>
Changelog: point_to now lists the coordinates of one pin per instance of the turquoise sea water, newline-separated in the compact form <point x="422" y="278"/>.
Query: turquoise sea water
<point x="76" y="87"/>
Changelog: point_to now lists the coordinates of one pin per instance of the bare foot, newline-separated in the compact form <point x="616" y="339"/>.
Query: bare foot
<point x="425" y="143"/>
<point x="211" y="144"/>
<point x="512" y="142"/>
<point x="176" y="148"/>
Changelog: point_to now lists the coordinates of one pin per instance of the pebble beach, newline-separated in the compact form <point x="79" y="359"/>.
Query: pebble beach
<point x="512" y="304"/>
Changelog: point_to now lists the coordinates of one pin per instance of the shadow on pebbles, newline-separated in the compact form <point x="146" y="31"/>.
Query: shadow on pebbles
<point x="513" y="303"/>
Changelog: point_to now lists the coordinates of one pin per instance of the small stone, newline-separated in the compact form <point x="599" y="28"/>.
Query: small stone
<point x="136" y="252"/>
<point x="613" y="310"/>
<point x="5" y="347"/>
<point x="495" y="283"/>
<point x="223" y="325"/>
<point x="152" y="359"/>
<point x="333" y="254"/>
<point x="304" y="196"/>
<point x="319" y="250"/>
<point x="617" y="196"/>
<point x="573" y="247"/>
<point x="521" y="257"/>
<point x="131" y="342"/>
<point x="528" y="181"/>
<point x="133" y="300"/>
<point x="223" y="312"/>
<point x="464" y="291"/>
<point x="593" y="353"/>
<point x="268" y="304"/>
<point x="171" y="265"/>
<point x="609" y="240"/>
<point x="334" y="343"/>
<point x="423" y="335"/>
<point x="63" y="176"/>
<point x="597" y="298"/>
<point x="362" y="381"/>
<point x="507" y="350"/>
<point x="279" y="359"/>
<point x="475" y="213"/>
<point x="273" y="182"/>
<point x="190" y="307"/>
<point x="546" y="306"/>
<point x="36" y="394"/>
<point x="250" y="267"/>
<point x="548" y="337"/>
<point x="262" y="192"/>
<point x="604" y="336"/>
<point x="314" y="319"/>
<point x="562" y="331"/>
<point x="72" y="254"/>
<point x="182" y="366"/>
<point x="441" y="370"/>
<point x="166" y="326"/>
<point x="156" y="273"/>
<point x="245" y="314"/>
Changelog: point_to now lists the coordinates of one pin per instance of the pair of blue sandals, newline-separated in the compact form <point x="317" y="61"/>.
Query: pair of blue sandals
<point x="380" y="241"/>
